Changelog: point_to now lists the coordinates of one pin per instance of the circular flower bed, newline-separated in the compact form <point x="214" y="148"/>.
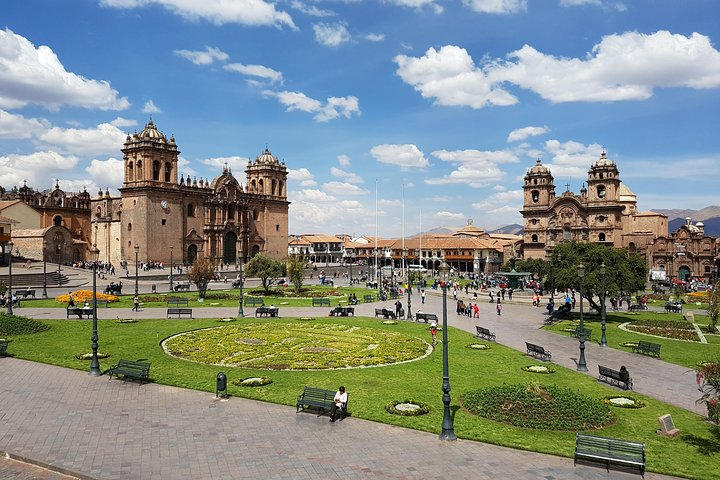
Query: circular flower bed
<point x="252" y="382"/>
<point x="623" y="401"/>
<point x="88" y="356"/>
<point x="295" y="346"/>
<point x="305" y="319"/>
<point x="390" y="322"/>
<point x="538" y="369"/>
<point x="705" y="363"/>
<point x="478" y="346"/>
<point x="542" y="407"/>
<point x="407" y="408"/>
<point x="677" y="330"/>
<point x="126" y="320"/>
<point x="226" y="320"/>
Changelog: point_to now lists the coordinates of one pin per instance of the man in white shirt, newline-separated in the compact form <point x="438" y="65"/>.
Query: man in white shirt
<point x="340" y="401"/>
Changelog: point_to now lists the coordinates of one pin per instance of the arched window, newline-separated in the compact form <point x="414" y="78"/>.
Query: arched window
<point x="255" y="250"/>
<point x="98" y="212"/>
<point x="129" y="227"/>
<point x="256" y="214"/>
<point x="190" y="210"/>
<point x="57" y="220"/>
<point x="253" y="186"/>
<point x="534" y="238"/>
<point x="601" y="191"/>
<point x="631" y="247"/>
<point x="261" y="186"/>
<point x="156" y="171"/>
<point x="273" y="187"/>
<point x="168" y="169"/>
<point x="535" y="196"/>
<point x="131" y="172"/>
<point x="601" y="237"/>
<point x="231" y="213"/>
<point x="281" y="188"/>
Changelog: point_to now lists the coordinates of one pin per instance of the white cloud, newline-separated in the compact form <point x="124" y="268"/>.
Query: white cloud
<point x="507" y="198"/>
<point x="477" y="168"/>
<point x="331" y="34"/>
<point x="218" y="12"/>
<point x="108" y="173"/>
<point x="258" y="71"/>
<point x="313" y="195"/>
<point x="347" y="176"/>
<point x="402" y="155"/>
<point x="343" y="160"/>
<point x="105" y="139"/>
<point x="38" y="168"/>
<point x="311" y="10"/>
<point x="30" y="75"/>
<point x="344" y="189"/>
<point x="375" y="37"/>
<point x="571" y="159"/>
<point x="199" y="57"/>
<point x="449" y="216"/>
<point x="497" y="6"/>
<point x="123" y="122"/>
<point x="619" y="6"/>
<point x="525" y="132"/>
<point x="18" y="127"/>
<point x="437" y="8"/>
<point x="235" y="163"/>
<point x="303" y="176"/>
<point x="150" y="107"/>
<point x="335" y="107"/>
<point x="184" y="167"/>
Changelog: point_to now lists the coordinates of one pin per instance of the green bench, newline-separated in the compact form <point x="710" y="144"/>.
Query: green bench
<point x="131" y="369"/>
<point x="610" y="451"/>
<point x="426" y="316"/>
<point x="320" y="302"/>
<point x="180" y="312"/>
<point x="647" y="348"/>
<point x="368" y="298"/>
<point x="79" y="311"/>
<point x="3" y="346"/>
<point x="267" y="312"/>
<point x="320" y="400"/>
<point x="538" y="352"/>
<point x="253" y="302"/>
<point x="177" y="301"/>
<point x="484" y="333"/>
<point x="614" y="377"/>
<point x="342" y="311"/>
<point x="588" y="333"/>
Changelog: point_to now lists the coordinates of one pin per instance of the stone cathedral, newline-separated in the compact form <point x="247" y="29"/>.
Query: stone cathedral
<point x="159" y="213"/>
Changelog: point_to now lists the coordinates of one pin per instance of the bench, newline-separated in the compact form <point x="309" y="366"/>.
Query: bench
<point x="647" y="348"/>
<point x="673" y="307"/>
<point x="182" y="286"/>
<point x="130" y="369"/>
<point x="342" y="311"/>
<point x="538" y="351"/>
<point x="394" y="295"/>
<point x="588" y="333"/>
<point x="426" y="316"/>
<point x="562" y="312"/>
<point x="610" y="451"/>
<point x="484" y="333"/>
<point x="385" y="312"/>
<point x="79" y="311"/>
<point x="267" y="312"/>
<point x="636" y="306"/>
<point x="177" y="301"/>
<point x="25" y="293"/>
<point x="3" y="346"/>
<point x="320" y="400"/>
<point x="320" y="302"/>
<point x="179" y="312"/>
<point x="614" y="377"/>
<point x="103" y="301"/>
<point x="368" y="298"/>
<point x="253" y="302"/>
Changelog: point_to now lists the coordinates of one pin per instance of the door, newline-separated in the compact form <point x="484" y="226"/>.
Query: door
<point x="229" y="247"/>
<point x="191" y="254"/>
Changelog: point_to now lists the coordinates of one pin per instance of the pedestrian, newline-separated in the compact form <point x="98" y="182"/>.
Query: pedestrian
<point x="71" y="300"/>
<point x="136" y="304"/>
<point x="422" y="296"/>
<point x="433" y="333"/>
<point x="510" y="292"/>
<point x="499" y="307"/>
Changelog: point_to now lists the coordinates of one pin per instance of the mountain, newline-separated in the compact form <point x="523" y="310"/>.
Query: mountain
<point x="513" y="229"/>
<point x="696" y="215"/>
<point x="712" y="225"/>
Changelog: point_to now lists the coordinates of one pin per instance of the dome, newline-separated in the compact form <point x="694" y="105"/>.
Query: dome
<point x="538" y="168"/>
<point x="150" y="132"/>
<point x="604" y="161"/>
<point x="267" y="157"/>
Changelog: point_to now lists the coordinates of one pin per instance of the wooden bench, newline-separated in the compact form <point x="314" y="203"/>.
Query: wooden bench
<point x="79" y="311"/>
<point x="647" y="348"/>
<point x="610" y="451"/>
<point x="320" y="400"/>
<point x="385" y="313"/>
<point x="673" y="307"/>
<point x="253" y="302"/>
<point x="342" y="311"/>
<point x="132" y="370"/>
<point x="3" y="346"/>
<point x="538" y="351"/>
<point x="177" y="301"/>
<point x="588" y="333"/>
<point x="180" y="312"/>
<point x="25" y="293"/>
<point x="484" y="333"/>
<point x="636" y="306"/>
<point x="426" y="316"/>
<point x="267" y="312"/>
<point x="368" y="298"/>
<point x="182" y="286"/>
<point x="614" y="377"/>
<point x="320" y="302"/>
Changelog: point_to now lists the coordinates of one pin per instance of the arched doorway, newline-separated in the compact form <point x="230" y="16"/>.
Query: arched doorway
<point x="191" y="254"/>
<point x="229" y="247"/>
<point x="255" y="250"/>
<point x="684" y="273"/>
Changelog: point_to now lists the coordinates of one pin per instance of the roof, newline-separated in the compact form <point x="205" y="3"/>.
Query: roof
<point x="321" y="238"/>
<point x="298" y="241"/>
<point x="7" y="220"/>
<point x="625" y="190"/>
<point x="8" y="203"/>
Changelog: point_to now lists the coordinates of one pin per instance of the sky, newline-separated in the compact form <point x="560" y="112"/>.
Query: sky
<point x="401" y="114"/>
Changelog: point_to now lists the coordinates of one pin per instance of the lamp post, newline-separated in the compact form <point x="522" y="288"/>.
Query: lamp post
<point x="241" y="312"/>
<point x="45" y="244"/>
<point x="9" y="298"/>
<point x="448" y="432"/>
<point x="582" y="365"/>
<point x="172" y="267"/>
<point x="409" y="286"/>
<point x="94" y="363"/>
<point x="603" y="270"/>
<point x="351" y="264"/>
<point x="137" y="250"/>
<point x="60" y="255"/>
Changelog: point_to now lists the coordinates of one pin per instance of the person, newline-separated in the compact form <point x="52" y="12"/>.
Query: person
<point x="398" y="307"/>
<point x="499" y="307"/>
<point x="340" y="401"/>
<point x="476" y="310"/>
<point x="422" y="295"/>
<point x="433" y="333"/>
<point x="71" y="300"/>
<point x="624" y="374"/>
<point x="136" y="304"/>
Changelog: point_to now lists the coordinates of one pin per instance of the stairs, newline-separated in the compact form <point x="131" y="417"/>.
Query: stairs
<point x="35" y="280"/>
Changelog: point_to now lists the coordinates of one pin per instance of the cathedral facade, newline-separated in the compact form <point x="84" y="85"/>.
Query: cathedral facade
<point x="158" y="215"/>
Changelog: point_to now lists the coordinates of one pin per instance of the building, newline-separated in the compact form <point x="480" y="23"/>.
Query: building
<point x="604" y="212"/>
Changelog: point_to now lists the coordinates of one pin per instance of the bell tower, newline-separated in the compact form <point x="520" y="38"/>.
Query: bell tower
<point x="603" y="181"/>
<point x="150" y="159"/>
<point x="538" y="187"/>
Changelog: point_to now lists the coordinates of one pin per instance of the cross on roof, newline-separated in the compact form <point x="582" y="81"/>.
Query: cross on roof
<point x="567" y="187"/>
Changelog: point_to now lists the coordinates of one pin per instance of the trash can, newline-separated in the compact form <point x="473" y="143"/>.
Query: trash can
<point x="153" y="289"/>
<point x="220" y="385"/>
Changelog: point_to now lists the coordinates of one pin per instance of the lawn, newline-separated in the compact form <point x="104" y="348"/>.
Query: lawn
<point x="694" y="454"/>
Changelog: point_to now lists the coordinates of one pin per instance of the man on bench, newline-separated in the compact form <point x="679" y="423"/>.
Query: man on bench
<point x="340" y="401"/>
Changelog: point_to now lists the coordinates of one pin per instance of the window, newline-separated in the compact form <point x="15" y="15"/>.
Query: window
<point x="57" y="221"/>
<point x="534" y="239"/>
<point x="535" y="196"/>
<point x="601" y="191"/>
<point x="566" y="233"/>
<point x="168" y="169"/>
<point x="277" y="227"/>
<point x="131" y="173"/>
<point x="163" y="221"/>
<point x="256" y="214"/>
<point x="601" y="237"/>
<point x="190" y="210"/>
<point x="129" y="227"/>
<point x="274" y="187"/>
<point x="156" y="170"/>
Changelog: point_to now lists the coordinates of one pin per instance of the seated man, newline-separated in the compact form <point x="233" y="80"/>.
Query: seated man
<point x="340" y="401"/>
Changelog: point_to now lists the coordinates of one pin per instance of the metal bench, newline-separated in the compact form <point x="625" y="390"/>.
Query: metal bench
<point x="267" y="312"/>
<point x="368" y="298"/>
<point x="385" y="313"/>
<point x="177" y="301"/>
<point x="484" y="333"/>
<point x="320" y="302"/>
<point x="253" y="302"/>
<point x="610" y="451"/>
<point x="320" y="400"/>
<point x="647" y="348"/>
<point x="25" y="293"/>
<point x="180" y="312"/>
<point x="3" y="346"/>
<point x="182" y="286"/>
<point x="426" y="317"/>
<point x="588" y="333"/>
<point x="342" y="311"/>
<point x="79" y="311"/>
<point x="132" y="370"/>
<point x="538" y="351"/>
<point x="615" y="377"/>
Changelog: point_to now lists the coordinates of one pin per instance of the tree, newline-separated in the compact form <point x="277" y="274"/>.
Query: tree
<point x="296" y="266"/>
<point x="201" y="272"/>
<point x="713" y="308"/>
<point x="266" y="269"/>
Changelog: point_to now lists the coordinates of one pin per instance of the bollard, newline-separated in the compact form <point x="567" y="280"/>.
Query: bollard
<point x="221" y="385"/>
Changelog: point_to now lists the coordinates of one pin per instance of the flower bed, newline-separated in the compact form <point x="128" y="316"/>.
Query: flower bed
<point x="82" y="296"/>
<point x="623" y="401"/>
<point x="407" y="408"/>
<point x="538" y="369"/>
<point x="629" y="344"/>
<point x="663" y="328"/>
<point x="252" y="382"/>
<point x="478" y="346"/>
<point x="226" y="320"/>
<point x="390" y="322"/>
<point x="88" y="356"/>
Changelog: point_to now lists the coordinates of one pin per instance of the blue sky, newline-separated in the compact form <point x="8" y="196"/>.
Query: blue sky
<point x="438" y="105"/>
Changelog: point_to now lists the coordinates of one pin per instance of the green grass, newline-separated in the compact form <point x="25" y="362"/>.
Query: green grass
<point x="679" y="352"/>
<point x="694" y="454"/>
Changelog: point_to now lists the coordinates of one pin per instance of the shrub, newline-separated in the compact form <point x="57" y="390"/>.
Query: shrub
<point x="16" y="325"/>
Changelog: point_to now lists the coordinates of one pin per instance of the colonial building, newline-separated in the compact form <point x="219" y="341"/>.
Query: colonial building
<point x="685" y="254"/>
<point x="604" y="212"/>
<point x="158" y="215"/>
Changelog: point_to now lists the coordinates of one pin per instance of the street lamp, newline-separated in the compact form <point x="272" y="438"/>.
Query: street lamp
<point x="172" y="267"/>
<point x="603" y="270"/>
<point x="137" y="250"/>
<point x="9" y="298"/>
<point x="94" y="363"/>
<point x="60" y="255"/>
<point x="448" y="432"/>
<point x="45" y="244"/>
<point x="409" y="286"/>
<point x="241" y="312"/>
<point x="581" y="366"/>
